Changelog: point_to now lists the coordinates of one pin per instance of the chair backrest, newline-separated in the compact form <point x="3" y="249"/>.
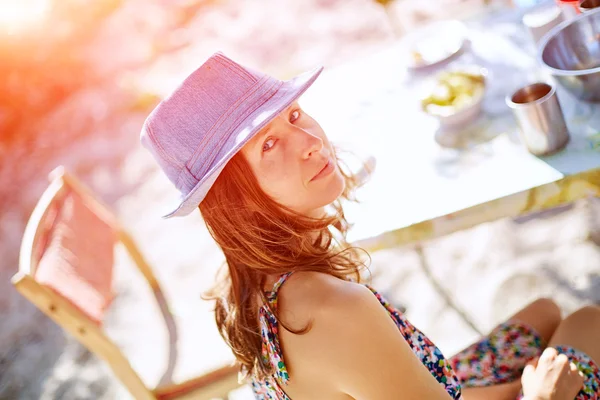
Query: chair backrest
<point x="74" y="255"/>
<point x="66" y="269"/>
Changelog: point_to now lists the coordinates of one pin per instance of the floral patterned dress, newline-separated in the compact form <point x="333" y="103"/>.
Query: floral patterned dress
<point x="497" y="358"/>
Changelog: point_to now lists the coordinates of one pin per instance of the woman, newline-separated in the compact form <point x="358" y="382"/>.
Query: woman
<point x="268" y="184"/>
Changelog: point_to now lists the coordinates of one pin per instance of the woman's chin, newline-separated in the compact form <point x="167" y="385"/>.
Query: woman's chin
<point x="331" y="192"/>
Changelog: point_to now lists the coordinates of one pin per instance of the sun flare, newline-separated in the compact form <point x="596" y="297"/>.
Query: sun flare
<point x="18" y="15"/>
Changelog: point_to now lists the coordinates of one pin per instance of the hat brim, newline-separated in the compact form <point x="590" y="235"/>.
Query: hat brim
<point x="289" y="92"/>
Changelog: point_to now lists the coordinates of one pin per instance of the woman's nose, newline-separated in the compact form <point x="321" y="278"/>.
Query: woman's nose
<point x="312" y="144"/>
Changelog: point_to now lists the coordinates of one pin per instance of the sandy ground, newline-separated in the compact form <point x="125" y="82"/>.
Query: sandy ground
<point x="485" y="273"/>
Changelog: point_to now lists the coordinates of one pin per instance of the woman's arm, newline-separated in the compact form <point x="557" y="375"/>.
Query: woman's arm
<point x="358" y="349"/>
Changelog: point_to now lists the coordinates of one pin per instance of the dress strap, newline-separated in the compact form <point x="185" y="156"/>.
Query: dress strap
<point x="271" y="348"/>
<point x="272" y="295"/>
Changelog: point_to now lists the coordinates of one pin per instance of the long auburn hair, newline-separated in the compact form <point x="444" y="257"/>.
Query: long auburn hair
<point x="260" y="237"/>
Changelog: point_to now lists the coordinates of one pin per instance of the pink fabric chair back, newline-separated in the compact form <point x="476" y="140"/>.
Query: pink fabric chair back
<point x="75" y="255"/>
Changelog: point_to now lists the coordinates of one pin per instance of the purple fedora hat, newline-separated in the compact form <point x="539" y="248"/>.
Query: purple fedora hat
<point x="204" y="122"/>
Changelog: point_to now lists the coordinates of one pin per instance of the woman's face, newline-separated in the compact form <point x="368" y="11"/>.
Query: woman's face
<point x="295" y="163"/>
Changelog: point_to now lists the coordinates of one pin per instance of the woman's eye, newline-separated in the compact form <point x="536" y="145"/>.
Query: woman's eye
<point x="295" y="115"/>
<point x="268" y="144"/>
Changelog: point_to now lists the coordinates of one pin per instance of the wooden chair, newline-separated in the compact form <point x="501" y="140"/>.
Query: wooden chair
<point x="65" y="269"/>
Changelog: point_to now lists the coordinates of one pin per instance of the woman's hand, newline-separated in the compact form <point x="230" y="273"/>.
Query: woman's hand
<point x="554" y="378"/>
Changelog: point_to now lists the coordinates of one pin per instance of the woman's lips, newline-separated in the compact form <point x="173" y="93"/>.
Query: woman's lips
<point x="326" y="170"/>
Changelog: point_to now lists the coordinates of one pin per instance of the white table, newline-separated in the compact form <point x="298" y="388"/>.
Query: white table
<point x="421" y="189"/>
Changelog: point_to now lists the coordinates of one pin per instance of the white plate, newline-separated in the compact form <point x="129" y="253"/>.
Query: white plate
<point x="434" y="44"/>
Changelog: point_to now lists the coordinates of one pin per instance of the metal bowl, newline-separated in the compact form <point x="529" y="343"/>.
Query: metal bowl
<point x="571" y="52"/>
<point x="588" y="5"/>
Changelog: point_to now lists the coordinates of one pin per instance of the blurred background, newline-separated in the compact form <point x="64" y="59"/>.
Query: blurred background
<point x="77" y="80"/>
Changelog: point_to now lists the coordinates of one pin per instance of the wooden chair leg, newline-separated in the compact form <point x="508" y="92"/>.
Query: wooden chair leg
<point x="148" y="274"/>
<point x="88" y="334"/>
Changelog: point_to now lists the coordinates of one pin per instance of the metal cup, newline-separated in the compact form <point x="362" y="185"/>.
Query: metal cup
<point x="540" y="118"/>
<point x="588" y="5"/>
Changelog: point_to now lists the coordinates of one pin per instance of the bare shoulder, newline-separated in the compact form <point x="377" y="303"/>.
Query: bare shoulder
<point x="353" y="341"/>
<point x="314" y="296"/>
